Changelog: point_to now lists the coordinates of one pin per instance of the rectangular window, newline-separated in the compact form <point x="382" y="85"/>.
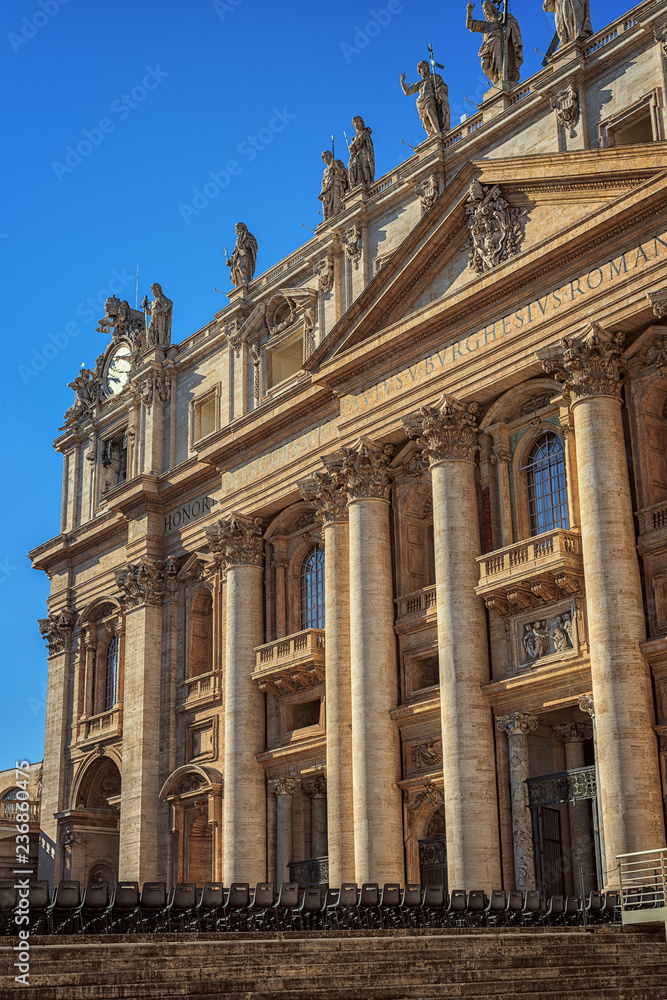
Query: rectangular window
<point x="205" y="415"/>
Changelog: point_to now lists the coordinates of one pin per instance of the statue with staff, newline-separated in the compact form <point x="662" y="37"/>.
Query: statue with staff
<point x="573" y="19"/>
<point x="433" y="96"/>
<point x="244" y="256"/>
<point x="501" y="50"/>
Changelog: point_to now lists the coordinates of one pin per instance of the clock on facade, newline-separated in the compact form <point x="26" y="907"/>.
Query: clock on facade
<point x="118" y="371"/>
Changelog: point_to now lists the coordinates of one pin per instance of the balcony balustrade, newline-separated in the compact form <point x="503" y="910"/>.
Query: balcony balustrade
<point x="11" y="808"/>
<point x="295" y="661"/>
<point x="201" y="689"/>
<point x="538" y="571"/>
<point x="417" y="608"/>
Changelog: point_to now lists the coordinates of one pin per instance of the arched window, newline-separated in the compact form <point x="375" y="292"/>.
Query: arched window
<point x="547" y="487"/>
<point x="312" y="589"/>
<point x="111" y="675"/>
<point x="13" y="793"/>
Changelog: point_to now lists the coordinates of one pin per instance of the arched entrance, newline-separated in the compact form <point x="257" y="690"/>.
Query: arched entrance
<point x="194" y="793"/>
<point x="433" y="851"/>
<point x="89" y="830"/>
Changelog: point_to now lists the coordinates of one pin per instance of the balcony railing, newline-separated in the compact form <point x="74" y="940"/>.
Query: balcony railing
<point x="292" y="662"/>
<point x="643" y="883"/>
<point x="418" y="604"/>
<point x="202" y="688"/>
<point x="312" y="872"/>
<point x="103" y="724"/>
<point x="541" y="569"/>
<point x="10" y="809"/>
<point x="652" y="518"/>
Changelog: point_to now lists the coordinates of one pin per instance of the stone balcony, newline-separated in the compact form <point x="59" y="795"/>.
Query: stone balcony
<point x="416" y="609"/>
<point x="296" y="661"/>
<point x="11" y="808"/>
<point x="203" y="689"/>
<point x="538" y="571"/>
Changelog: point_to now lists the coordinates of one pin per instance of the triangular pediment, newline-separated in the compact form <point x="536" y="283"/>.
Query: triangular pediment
<point x="557" y="200"/>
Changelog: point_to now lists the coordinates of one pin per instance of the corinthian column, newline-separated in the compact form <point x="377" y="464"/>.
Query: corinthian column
<point x="626" y="745"/>
<point x="378" y="823"/>
<point x="238" y="546"/>
<point x="573" y="735"/>
<point x="328" y="494"/>
<point x="448" y="433"/>
<point x="517" y="726"/>
<point x="284" y="789"/>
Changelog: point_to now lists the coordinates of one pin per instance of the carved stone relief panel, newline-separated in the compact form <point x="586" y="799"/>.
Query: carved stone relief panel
<point x="547" y="634"/>
<point x="202" y="740"/>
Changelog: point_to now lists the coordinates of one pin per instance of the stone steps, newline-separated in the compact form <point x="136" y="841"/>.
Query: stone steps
<point x="568" y="964"/>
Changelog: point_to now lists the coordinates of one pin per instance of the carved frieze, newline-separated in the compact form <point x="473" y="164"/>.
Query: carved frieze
<point x="566" y="106"/>
<point x="589" y="365"/>
<point x="284" y="786"/>
<point x="57" y="630"/>
<point x="237" y="541"/>
<point x="147" y="581"/>
<point x="496" y="230"/>
<point x="327" y="491"/>
<point x="365" y="469"/>
<point x="445" y="431"/>
<point x="573" y="732"/>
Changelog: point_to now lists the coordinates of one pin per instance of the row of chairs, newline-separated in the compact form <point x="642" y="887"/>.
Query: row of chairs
<point x="127" y="909"/>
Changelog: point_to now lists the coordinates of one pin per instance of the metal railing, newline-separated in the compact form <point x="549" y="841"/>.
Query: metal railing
<point x="312" y="872"/>
<point x="643" y="881"/>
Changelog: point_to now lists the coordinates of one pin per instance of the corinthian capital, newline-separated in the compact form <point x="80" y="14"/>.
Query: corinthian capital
<point x="146" y="582"/>
<point x="573" y="732"/>
<point x="327" y="491"/>
<point x="57" y="630"/>
<point x="237" y="541"/>
<point x="516" y="723"/>
<point x="445" y="431"/>
<point x="365" y="469"/>
<point x="589" y="365"/>
<point x="284" y="786"/>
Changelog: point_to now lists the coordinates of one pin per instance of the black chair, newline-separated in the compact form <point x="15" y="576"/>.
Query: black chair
<point x="179" y="911"/>
<point x="531" y="912"/>
<point x="592" y="908"/>
<point x="308" y="914"/>
<point x="611" y="911"/>
<point x="456" y="911"/>
<point x="434" y="906"/>
<point x="93" y="908"/>
<point x="515" y="904"/>
<point x="9" y="897"/>
<point x="368" y="908"/>
<point x="571" y="914"/>
<point x="123" y="914"/>
<point x="390" y="900"/>
<point x="282" y="913"/>
<point x="38" y="902"/>
<point x="410" y="909"/>
<point x="62" y="914"/>
<point x="494" y="912"/>
<point x="152" y="906"/>
<point x="209" y="906"/>
<point x="344" y="906"/>
<point x="234" y="912"/>
<point x="260" y="906"/>
<point x="477" y="903"/>
<point x="555" y="910"/>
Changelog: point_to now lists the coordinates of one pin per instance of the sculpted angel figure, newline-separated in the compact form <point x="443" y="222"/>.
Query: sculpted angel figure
<point x="243" y="259"/>
<point x="491" y="50"/>
<point x="361" y="168"/>
<point x="559" y="636"/>
<point x="159" y="310"/>
<point x="528" y="640"/>
<point x="433" y="100"/>
<point x="541" y="639"/>
<point x="334" y="185"/>
<point x="573" y="18"/>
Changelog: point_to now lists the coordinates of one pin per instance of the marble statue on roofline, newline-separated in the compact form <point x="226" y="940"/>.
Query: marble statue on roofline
<point x="361" y="168"/>
<point x="433" y="99"/>
<point x="334" y="185"/>
<point x="159" y="310"/>
<point x="491" y="49"/>
<point x="573" y="18"/>
<point x="244" y="256"/>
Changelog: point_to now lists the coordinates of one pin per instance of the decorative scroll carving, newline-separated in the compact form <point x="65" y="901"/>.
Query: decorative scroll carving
<point x="237" y="540"/>
<point x="352" y="242"/>
<point x="565" y="786"/>
<point x="445" y="431"/>
<point x="146" y="582"/>
<point x="284" y="786"/>
<point x="256" y="360"/>
<point x="587" y="705"/>
<point x="325" y="274"/>
<point x="589" y="366"/>
<point x="427" y="192"/>
<point x="430" y="794"/>
<point x="573" y="732"/>
<point x="566" y="105"/>
<point x="57" y="630"/>
<point x="327" y="492"/>
<point x="517" y="722"/>
<point x="427" y="754"/>
<point x="365" y="469"/>
<point x="496" y="230"/>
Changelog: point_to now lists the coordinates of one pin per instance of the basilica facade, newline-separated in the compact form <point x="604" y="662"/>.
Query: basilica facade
<point x="367" y="578"/>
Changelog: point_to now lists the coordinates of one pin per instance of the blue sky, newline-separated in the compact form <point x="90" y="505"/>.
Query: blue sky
<point x="138" y="133"/>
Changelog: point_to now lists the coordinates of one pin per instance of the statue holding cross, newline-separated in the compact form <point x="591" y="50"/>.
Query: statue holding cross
<point x="501" y="51"/>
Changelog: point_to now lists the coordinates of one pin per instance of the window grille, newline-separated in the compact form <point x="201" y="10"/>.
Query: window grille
<point x="547" y="486"/>
<point x="111" y="675"/>
<point x="312" y="589"/>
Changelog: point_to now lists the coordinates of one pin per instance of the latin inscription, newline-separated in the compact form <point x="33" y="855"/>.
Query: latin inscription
<point x="535" y="311"/>
<point x="318" y="437"/>
<point x="190" y="512"/>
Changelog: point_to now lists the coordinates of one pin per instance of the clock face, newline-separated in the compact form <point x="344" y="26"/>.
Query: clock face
<point x="118" y="371"/>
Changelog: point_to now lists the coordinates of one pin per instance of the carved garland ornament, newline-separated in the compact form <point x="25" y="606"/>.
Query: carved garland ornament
<point x="328" y="494"/>
<point x="496" y="230"/>
<point x="237" y="541"/>
<point x="57" y="630"/>
<point x="589" y="366"/>
<point x="147" y="581"/>
<point x="566" y="105"/>
<point x="445" y="431"/>
<point x="365" y="469"/>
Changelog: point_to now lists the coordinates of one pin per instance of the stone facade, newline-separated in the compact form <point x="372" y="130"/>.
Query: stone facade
<point x="367" y="578"/>
<point x="19" y="785"/>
